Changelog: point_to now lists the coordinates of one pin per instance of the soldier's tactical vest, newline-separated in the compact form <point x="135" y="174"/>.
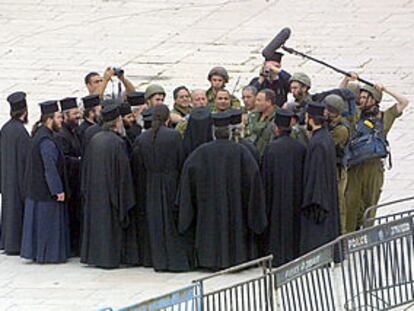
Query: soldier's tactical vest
<point x="367" y="142"/>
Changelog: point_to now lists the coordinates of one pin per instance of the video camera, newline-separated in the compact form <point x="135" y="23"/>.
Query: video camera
<point x="119" y="72"/>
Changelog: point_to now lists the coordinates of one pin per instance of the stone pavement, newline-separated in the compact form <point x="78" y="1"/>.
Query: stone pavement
<point x="47" y="47"/>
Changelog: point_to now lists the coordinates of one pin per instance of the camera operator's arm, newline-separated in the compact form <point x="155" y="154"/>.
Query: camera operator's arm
<point x="258" y="81"/>
<point x="346" y="80"/>
<point x="402" y="101"/>
<point x="129" y="87"/>
<point x="108" y="74"/>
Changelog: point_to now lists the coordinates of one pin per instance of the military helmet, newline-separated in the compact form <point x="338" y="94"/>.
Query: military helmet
<point x="219" y="71"/>
<point x="334" y="103"/>
<point x="302" y="78"/>
<point x="373" y="91"/>
<point x="354" y="88"/>
<point x="152" y="90"/>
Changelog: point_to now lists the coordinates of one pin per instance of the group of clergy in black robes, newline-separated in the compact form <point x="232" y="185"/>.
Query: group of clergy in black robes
<point x="131" y="195"/>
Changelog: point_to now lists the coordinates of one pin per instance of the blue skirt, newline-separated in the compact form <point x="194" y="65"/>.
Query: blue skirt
<point x="45" y="232"/>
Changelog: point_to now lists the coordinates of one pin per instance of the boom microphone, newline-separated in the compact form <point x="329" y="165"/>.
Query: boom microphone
<point x="276" y="43"/>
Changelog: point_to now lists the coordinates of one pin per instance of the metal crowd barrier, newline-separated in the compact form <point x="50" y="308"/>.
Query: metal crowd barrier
<point x="371" y="269"/>
<point x="370" y="217"/>
<point x="378" y="273"/>
<point x="374" y="270"/>
<point x="187" y="298"/>
<point x="307" y="282"/>
<point x="253" y="294"/>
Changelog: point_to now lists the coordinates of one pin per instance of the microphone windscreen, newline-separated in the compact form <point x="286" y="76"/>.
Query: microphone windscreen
<point x="276" y="42"/>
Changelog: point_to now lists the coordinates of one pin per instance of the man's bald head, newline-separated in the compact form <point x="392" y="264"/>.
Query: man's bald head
<point x="199" y="98"/>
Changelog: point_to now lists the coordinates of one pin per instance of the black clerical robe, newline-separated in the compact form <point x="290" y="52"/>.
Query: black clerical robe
<point x="82" y="128"/>
<point x="160" y="162"/>
<point x="282" y="173"/>
<point x="221" y="200"/>
<point x="88" y="134"/>
<point x="198" y="130"/>
<point x="252" y="149"/>
<point x="109" y="233"/>
<point x="14" y="148"/>
<point x="68" y="141"/>
<point x="132" y="132"/>
<point x="320" y="210"/>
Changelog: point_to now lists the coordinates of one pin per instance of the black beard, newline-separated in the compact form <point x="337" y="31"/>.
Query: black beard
<point x="72" y="124"/>
<point x="329" y="119"/>
<point x="98" y="119"/>
<point x="300" y="96"/>
<point x="309" y="127"/>
<point x="370" y="111"/>
<point x="55" y="127"/>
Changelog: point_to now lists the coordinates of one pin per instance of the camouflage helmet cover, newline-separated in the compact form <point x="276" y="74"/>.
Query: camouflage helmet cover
<point x="219" y="71"/>
<point x="302" y="78"/>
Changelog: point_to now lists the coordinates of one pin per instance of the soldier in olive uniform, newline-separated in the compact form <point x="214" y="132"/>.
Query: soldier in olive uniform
<point x="249" y="98"/>
<point x="259" y="130"/>
<point x="182" y="105"/>
<point x="365" y="180"/>
<point x="339" y="130"/>
<point x="300" y="84"/>
<point x="154" y="95"/>
<point x="299" y="131"/>
<point x="198" y="99"/>
<point x="218" y="78"/>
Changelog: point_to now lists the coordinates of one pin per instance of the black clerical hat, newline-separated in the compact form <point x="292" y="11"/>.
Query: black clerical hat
<point x="109" y="102"/>
<point x="17" y="101"/>
<point x="236" y="116"/>
<point x="221" y="119"/>
<point x="136" y="98"/>
<point x="68" y="103"/>
<point x="276" y="57"/>
<point x="147" y="117"/>
<point x="315" y="109"/>
<point x="125" y="109"/>
<point x="49" y="107"/>
<point x="283" y="117"/>
<point x="91" y="101"/>
<point x="200" y="113"/>
<point x="110" y="112"/>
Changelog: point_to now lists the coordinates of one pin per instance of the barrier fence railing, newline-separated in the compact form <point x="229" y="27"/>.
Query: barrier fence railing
<point x="371" y="217"/>
<point x="371" y="269"/>
<point x="253" y="294"/>
<point x="307" y="282"/>
<point x="188" y="298"/>
<point x="378" y="265"/>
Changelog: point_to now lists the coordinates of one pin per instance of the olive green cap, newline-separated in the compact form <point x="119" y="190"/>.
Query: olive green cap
<point x="152" y="90"/>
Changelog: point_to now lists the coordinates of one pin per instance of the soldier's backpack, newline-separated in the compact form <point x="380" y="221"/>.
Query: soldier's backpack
<point x="345" y="94"/>
<point x="367" y="142"/>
